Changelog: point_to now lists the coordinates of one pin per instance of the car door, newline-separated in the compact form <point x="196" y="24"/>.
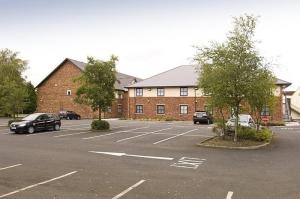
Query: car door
<point x="40" y="123"/>
<point x="49" y="122"/>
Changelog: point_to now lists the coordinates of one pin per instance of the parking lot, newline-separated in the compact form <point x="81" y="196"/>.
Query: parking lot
<point x="138" y="159"/>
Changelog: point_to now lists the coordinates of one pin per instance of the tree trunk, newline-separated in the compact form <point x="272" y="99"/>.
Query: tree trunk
<point x="99" y="114"/>
<point x="236" y="123"/>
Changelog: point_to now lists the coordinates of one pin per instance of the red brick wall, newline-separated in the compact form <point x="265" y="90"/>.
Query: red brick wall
<point x="52" y="94"/>
<point x="172" y="107"/>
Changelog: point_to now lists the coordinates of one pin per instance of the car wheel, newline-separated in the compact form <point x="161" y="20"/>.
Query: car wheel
<point x="195" y="122"/>
<point x="56" y="127"/>
<point x="31" y="129"/>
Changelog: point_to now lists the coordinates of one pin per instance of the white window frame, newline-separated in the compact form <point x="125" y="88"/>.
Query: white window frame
<point x="157" y="105"/>
<point x="184" y="93"/>
<point x="140" y="93"/>
<point x="187" y="109"/>
<point x="69" y="92"/>
<point x="139" y="109"/>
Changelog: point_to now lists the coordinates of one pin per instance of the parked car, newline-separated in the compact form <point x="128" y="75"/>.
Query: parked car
<point x="244" y="120"/>
<point x="36" y="122"/>
<point x="202" y="117"/>
<point x="69" y="115"/>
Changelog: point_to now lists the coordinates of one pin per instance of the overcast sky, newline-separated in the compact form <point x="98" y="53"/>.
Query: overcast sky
<point x="148" y="36"/>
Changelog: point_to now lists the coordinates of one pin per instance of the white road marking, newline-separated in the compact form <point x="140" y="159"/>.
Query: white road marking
<point x="35" y="185"/>
<point x="188" y="162"/>
<point x="71" y="134"/>
<point x="114" y="133"/>
<point x="131" y="155"/>
<point x="129" y="189"/>
<point x="229" y="195"/>
<point x="16" y="165"/>
<point x="174" y="136"/>
<point x="148" y="133"/>
<point x="76" y="125"/>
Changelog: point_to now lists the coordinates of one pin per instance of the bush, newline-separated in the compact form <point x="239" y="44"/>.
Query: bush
<point x="169" y="119"/>
<point x="100" y="125"/>
<point x="263" y="135"/>
<point x="246" y="133"/>
<point x="273" y="123"/>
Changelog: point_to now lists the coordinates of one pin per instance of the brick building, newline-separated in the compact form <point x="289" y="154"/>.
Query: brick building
<point x="171" y="94"/>
<point x="174" y="94"/>
<point x="57" y="91"/>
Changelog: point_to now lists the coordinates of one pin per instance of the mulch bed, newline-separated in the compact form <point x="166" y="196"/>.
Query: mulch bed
<point x="228" y="142"/>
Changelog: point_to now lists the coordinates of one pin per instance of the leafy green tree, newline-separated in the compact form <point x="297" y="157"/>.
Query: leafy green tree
<point x="12" y="85"/>
<point x="31" y="99"/>
<point x="97" y="84"/>
<point x="229" y="70"/>
<point x="262" y="94"/>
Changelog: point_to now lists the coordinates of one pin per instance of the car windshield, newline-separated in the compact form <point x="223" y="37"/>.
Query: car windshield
<point x="201" y="114"/>
<point x="31" y="117"/>
<point x="244" y="118"/>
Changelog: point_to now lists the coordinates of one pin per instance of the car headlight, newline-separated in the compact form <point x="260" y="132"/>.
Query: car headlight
<point x="22" y="125"/>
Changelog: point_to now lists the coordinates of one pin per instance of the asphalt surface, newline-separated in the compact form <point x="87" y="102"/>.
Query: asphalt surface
<point x="139" y="160"/>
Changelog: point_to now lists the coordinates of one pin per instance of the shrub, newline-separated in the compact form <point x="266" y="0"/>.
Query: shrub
<point x="246" y="133"/>
<point x="100" y="125"/>
<point x="273" y="123"/>
<point x="169" y="119"/>
<point x="263" y="135"/>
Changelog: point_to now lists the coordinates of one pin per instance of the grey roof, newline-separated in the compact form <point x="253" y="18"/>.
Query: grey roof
<point x="123" y="80"/>
<point x="282" y="82"/>
<point x="185" y="75"/>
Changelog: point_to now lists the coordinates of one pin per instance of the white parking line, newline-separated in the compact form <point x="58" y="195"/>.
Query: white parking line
<point x="174" y="136"/>
<point x="87" y="138"/>
<point x="129" y="189"/>
<point x="70" y="134"/>
<point x="16" y="165"/>
<point x="35" y="185"/>
<point x="148" y="133"/>
<point x="229" y="195"/>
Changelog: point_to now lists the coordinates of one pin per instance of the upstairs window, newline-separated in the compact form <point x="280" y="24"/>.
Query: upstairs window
<point x="160" y="92"/>
<point x="139" y="92"/>
<point x="183" y="91"/>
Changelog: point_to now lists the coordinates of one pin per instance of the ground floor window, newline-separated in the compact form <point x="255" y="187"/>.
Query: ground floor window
<point x="265" y="111"/>
<point x="139" y="108"/>
<point x="119" y="108"/>
<point x="183" y="109"/>
<point x="160" y="109"/>
<point x="109" y="109"/>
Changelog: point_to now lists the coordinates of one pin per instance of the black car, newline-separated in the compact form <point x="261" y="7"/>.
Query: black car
<point x="69" y="115"/>
<point x="36" y="122"/>
<point x="202" y="117"/>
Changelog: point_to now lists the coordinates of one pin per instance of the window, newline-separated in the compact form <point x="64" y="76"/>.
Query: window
<point x="160" y="92"/>
<point x="138" y="92"/>
<point x="109" y="109"/>
<point x="69" y="92"/>
<point x="184" y="91"/>
<point x="265" y="111"/>
<point x="160" y="109"/>
<point x="119" y="108"/>
<point x="139" y="108"/>
<point x="183" y="109"/>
